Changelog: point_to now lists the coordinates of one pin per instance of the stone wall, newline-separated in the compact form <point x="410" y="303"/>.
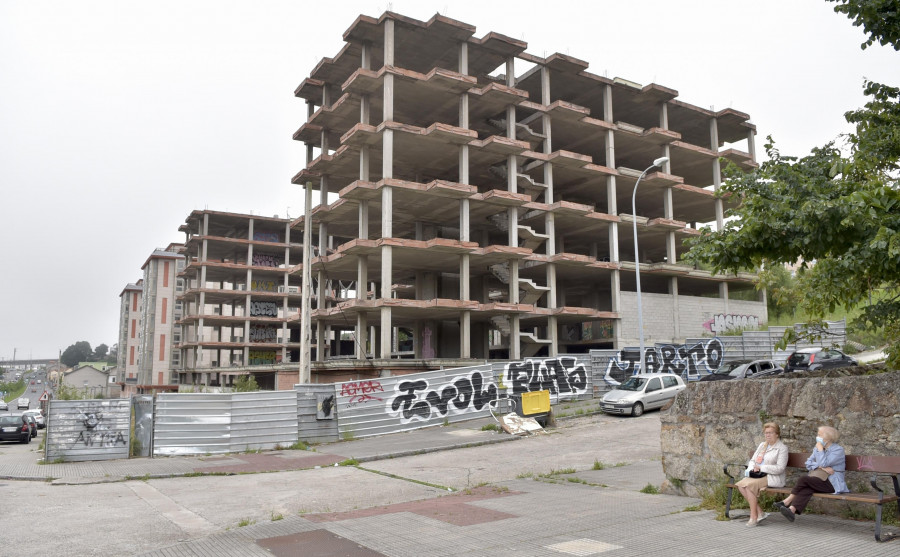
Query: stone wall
<point x="711" y="423"/>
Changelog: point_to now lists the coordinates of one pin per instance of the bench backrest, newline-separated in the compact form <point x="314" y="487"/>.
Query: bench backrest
<point x="855" y="463"/>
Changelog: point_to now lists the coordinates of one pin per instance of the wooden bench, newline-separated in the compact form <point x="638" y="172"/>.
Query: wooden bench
<point x="885" y="466"/>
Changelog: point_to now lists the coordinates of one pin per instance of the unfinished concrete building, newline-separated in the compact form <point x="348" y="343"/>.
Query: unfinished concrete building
<point x="240" y="302"/>
<point x="484" y="205"/>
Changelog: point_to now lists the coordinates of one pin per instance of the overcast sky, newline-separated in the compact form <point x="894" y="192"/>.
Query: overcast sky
<point x="118" y="118"/>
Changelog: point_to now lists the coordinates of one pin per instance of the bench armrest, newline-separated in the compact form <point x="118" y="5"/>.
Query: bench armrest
<point x="742" y="466"/>
<point x="894" y="477"/>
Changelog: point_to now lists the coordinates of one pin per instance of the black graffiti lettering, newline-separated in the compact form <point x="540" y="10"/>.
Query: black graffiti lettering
<point x="407" y="401"/>
<point x="440" y="401"/>
<point x="105" y="439"/>
<point x="464" y="393"/>
<point x="557" y="375"/>
<point x="482" y="396"/>
<point x="682" y="359"/>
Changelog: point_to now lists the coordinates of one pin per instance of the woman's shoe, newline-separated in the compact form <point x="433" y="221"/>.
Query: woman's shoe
<point x="779" y="505"/>
<point x="751" y="523"/>
<point x="787" y="512"/>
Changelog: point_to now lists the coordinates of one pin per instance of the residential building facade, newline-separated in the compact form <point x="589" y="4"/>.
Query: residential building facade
<point x="128" y="348"/>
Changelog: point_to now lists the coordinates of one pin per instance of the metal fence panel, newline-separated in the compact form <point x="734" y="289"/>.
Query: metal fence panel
<point x="316" y="415"/>
<point x="201" y="423"/>
<point x="143" y="424"/>
<point x="80" y="430"/>
<point x="263" y="420"/>
<point x="392" y="404"/>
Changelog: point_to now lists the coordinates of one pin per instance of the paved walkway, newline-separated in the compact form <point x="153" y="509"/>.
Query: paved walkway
<point x="568" y="513"/>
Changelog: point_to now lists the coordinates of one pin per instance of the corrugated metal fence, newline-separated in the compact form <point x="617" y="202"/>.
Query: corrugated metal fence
<point x="200" y="423"/>
<point x="191" y="423"/>
<point x="81" y="430"/>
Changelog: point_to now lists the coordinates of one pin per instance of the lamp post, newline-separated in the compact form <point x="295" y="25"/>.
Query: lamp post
<point x="637" y="264"/>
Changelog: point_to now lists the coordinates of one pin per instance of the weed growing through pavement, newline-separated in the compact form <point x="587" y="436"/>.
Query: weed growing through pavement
<point x="245" y="522"/>
<point x="650" y="488"/>
<point x="598" y="465"/>
<point x="276" y="516"/>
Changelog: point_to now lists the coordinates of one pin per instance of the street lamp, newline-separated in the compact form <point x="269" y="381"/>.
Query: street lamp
<point x="637" y="264"/>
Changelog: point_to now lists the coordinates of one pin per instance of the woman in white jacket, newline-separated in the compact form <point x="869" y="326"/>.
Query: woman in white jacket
<point x="765" y="469"/>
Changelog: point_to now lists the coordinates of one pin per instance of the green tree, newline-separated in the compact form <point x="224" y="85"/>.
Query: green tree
<point x="79" y="352"/>
<point x="879" y="18"/>
<point x="100" y="352"/>
<point x="836" y="211"/>
<point x="783" y="291"/>
<point x="245" y="384"/>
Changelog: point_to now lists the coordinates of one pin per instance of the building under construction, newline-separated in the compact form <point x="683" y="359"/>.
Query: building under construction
<point x="480" y="208"/>
<point x="484" y="199"/>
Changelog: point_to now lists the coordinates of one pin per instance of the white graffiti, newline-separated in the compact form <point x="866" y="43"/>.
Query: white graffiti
<point x="722" y="322"/>
<point x="689" y="361"/>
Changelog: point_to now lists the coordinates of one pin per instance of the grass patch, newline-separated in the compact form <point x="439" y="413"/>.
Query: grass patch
<point x="650" y="488"/>
<point x="524" y="475"/>
<point x="491" y="427"/>
<point x="348" y="436"/>
<point x="598" y="465"/>
<point x="245" y="522"/>
<point x="552" y="472"/>
<point x="349" y="462"/>
<point x="692" y="508"/>
<point x="276" y="516"/>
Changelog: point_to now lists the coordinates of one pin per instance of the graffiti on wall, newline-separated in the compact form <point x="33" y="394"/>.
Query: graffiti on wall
<point x="263" y="334"/>
<point x="260" y="236"/>
<point x="263" y="286"/>
<point x="263" y="309"/>
<point x="414" y="400"/>
<point x="361" y="391"/>
<point x="262" y="357"/>
<point x="560" y="375"/>
<point x="688" y="360"/>
<point x="721" y="323"/>
<point x="589" y="330"/>
<point x="94" y="431"/>
<point x="265" y="260"/>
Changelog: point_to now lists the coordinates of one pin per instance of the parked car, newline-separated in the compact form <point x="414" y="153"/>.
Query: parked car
<point x="741" y="369"/>
<point x="32" y="423"/>
<point x="641" y="392"/>
<point x="818" y="358"/>
<point x="14" y="428"/>
<point x="38" y="415"/>
<point x="4" y="405"/>
<point x="23" y="403"/>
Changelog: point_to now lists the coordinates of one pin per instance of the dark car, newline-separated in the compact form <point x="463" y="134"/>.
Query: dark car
<point x="15" y="428"/>
<point x="32" y="423"/>
<point x="812" y="359"/>
<point x="742" y="369"/>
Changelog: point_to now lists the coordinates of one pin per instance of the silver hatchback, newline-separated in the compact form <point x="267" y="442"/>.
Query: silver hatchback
<point x="641" y="392"/>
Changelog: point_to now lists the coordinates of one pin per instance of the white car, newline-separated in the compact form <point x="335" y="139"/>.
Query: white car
<point x="38" y="417"/>
<point x="23" y="403"/>
<point x="641" y="392"/>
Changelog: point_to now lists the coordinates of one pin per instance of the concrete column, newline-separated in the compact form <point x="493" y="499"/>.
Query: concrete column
<point x="673" y="291"/>
<point x="716" y="171"/>
<point x="515" y="337"/>
<point x="751" y="147"/>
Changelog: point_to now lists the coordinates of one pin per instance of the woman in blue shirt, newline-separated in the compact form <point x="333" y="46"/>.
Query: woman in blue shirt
<point x="826" y="474"/>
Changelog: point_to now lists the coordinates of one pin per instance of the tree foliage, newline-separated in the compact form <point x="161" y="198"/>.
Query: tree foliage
<point x="836" y="211"/>
<point x="880" y="19"/>
<point x="245" y="384"/>
<point x="79" y="352"/>
<point x="100" y="352"/>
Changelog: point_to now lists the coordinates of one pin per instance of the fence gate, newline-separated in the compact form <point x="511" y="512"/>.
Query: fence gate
<point x="80" y="430"/>
<point x="142" y="411"/>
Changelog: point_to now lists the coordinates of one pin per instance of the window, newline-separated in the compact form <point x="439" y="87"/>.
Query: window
<point x="653" y="385"/>
<point x="670" y="382"/>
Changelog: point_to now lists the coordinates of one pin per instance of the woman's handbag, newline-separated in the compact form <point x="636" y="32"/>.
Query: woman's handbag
<point x="755" y="474"/>
<point x="819" y="473"/>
